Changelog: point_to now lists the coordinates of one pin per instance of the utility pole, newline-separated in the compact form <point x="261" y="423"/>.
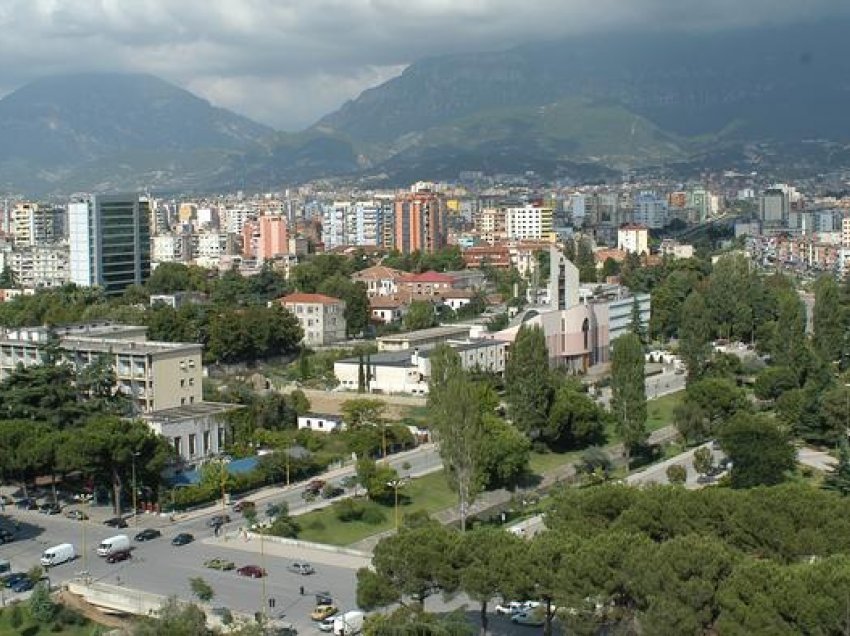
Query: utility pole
<point x="135" y="506"/>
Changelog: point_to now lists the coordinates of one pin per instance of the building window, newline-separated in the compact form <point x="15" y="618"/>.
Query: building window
<point x="178" y="445"/>
<point x="220" y="437"/>
<point x="206" y="442"/>
<point x="182" y="382"/>
<point x="192" y="449"/>
<point x="182" y="401"/>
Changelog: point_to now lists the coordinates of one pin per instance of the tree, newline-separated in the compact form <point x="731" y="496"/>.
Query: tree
<point x="838" y="479"/>
<point x="174" y="619"/>
<point x="357" y="310"/>
<point x="789" y="341"/>
<point x="41" y="606"/>
<point x="761" y="453"/>
<point x="201" y="589"/>
<point x="415" y="561"/>
<point x="772" y="382"/>
<point x="484" y="558"/>
<point x="374" y="590"/>
<point x="457" y="406"/>
<point x="828" y="319"/>
<point x="695" y="335"/>
<point x="420" y="315"/>
<point x="168" y="278"/>
<point x="730" y="313"/>
<point x="703" y="460"/>
<point x="505" y="453"/>
<point x="528" y="387"/>
<point x="628" y="392"/>
<point x="8" y="279"/>
<point x="708" y="403"/>
<point x="677" y="474"/>
<point x="575" y="419"/>
<point x="637" y="327"/>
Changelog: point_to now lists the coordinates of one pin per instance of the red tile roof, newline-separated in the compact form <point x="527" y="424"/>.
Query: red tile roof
<point x="427" y="277"/>
<point x="314" y="299"/>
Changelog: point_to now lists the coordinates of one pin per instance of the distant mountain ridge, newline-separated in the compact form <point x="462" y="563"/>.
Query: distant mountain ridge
<point x="585" y="107"/>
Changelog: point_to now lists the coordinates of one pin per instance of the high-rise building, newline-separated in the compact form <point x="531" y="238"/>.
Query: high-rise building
<point x="563" y="281"/>
<point x="420" y="222"/>
<point x="775" y="206"/>
<point x="110" y="241"/>
<point x="274" y="238"/>
<point x="33" y="224"/>
<point x="529" y="222"/>
<point x="650" y="210"/>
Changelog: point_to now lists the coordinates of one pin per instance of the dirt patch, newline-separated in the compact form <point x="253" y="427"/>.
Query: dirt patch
<point x="398" y="406"/>
<point x="79" y="605"/>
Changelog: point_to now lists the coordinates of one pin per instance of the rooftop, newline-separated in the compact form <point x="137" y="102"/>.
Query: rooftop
<point x="309" y="299"/>
<point x="377" y="272"/>
<point x="443" y="331"/>
<point x="188" y="411"/>
<point x="427" y="277"/>
<point x="114" y="345"/>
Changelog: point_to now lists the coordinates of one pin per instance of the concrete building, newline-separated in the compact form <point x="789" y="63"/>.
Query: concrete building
<point x="379" y="280"/>
<point x="408" y="370"/>
<point x="37" y="266"/>
<point x="425" y="284"/>
<point x="273" y="239"/>
<point x="420" y="223"/>
<point x="322" y="317"/>
<point x="633" y="239"/>
<point x="320" y="422"/>
<point x="674" y="249"/>
<point x="334" y="221"/>
<point x="563" y="280"/>
<point x="423" y="339"/>
<point x="491" y="225"/>
<point x="197" y="431"/>
<point x="650" y="211"/>
<point x="529" y="222"/>
<point x="110" y="241"/>
<point x="775" y="206"/>
<point x="33" y="224"/>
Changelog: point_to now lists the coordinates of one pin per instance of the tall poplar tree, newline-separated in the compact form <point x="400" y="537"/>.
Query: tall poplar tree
<point x="527" y="381"/>
<point x="695" y="335"/>
<point x="628" y="392"/>
<point x="828" y="319"/>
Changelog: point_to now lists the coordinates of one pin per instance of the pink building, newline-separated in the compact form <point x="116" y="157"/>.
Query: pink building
<point x="250" y="239"/>
<point x="274" y="238"/>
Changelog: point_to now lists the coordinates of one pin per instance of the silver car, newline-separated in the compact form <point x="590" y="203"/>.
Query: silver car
<point x="300" y="568"/>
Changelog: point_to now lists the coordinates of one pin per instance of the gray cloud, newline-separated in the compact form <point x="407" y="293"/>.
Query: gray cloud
<point x="287" y="62"/>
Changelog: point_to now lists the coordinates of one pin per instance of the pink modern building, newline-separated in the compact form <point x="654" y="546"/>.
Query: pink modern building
<point x="274" y="237"/>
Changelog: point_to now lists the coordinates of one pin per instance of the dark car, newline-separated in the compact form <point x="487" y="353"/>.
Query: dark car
<point x="254" y="571"/>
<point x="182" y="539"/>
<point x="27" y="503"/>
<point x="218" y="520"/>
<point x="116" y="522"/>
<point x="314" y="487"/>
<point x="23" y="585"/>
<point x="6" y="536"/>
<point x="329" y="492"/>
<point x="10" y="579"/>
<point x="147" y="534"/>
<point x="50" y="509"/>
<point x="244" y="505"/>
<point x="79" y="515"/>
<point x="118" y="555"/>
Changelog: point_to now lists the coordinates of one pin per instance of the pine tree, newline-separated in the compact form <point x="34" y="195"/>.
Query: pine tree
<point x="839" y="478"/>
<point x="361" y="376"/>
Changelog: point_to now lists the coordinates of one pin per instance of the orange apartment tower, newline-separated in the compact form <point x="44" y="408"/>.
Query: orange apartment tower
<point x="420" y="222"/>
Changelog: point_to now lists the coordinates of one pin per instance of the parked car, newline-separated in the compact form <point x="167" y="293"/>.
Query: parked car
<point x="183" y="538"/>
<point x="529" y="617"/>
<point x="254" y="571"/>
<point x="218" y="520"/>
<point x="243" y="505"/>
<point x="23" y="585"/>
<point x="329" y="492"/>
<point x="50" y="509"/>
<point x="10" y="579"/>
<point x="315" y="486"/>
<point x="6" y="536"/>
<point x="27" y="503"/>
<point x="116" y="522"/>
<point x="507" y="608"/>
<point x="300" y="568"/>
<point x="321" y="612"/>
<point x="118" y="555"/>
<point x="147" y="534"/>
<point x="326" y="624"/>
<point x="219" y="564"/>
<point x="79" y="515"/>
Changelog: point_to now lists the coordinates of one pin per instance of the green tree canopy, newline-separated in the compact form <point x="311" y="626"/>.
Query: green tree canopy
<point x="527" y="382"/>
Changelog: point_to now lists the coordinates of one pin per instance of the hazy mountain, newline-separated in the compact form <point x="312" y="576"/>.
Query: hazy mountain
<point x="105" y="131"/>
<point x="617" y="100"/>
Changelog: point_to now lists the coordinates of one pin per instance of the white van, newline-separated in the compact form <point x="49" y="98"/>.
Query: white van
<point x="113" y="544"/>
<point x="58" y="554"/>
<point x="349" y="624"/>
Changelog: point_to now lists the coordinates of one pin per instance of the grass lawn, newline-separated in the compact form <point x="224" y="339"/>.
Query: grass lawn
<point x="30" y="628"/>
<point x="430" y="494"/>
<point x="659" y="412"/>
<point x="541" y="463"/>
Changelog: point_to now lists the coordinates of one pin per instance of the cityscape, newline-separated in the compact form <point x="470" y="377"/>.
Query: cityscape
<point x="544" y="337"/>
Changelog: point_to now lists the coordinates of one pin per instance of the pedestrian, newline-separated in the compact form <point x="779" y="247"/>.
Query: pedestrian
<point x="301" y="589"/>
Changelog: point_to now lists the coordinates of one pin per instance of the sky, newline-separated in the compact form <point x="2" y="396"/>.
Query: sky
<point x="286" y="63"/>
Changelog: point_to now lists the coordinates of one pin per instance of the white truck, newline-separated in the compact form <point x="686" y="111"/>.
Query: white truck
<point x="113" y="544"/>
<point x="58" y="554"/>
<point x="349" y="623"/>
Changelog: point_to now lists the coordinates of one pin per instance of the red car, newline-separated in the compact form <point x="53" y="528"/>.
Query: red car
<point x="120" y="555"/>
<point x="254" y="571"/>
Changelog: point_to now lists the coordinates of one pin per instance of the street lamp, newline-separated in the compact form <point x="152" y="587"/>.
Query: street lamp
<point x="135" y="507"/>
<point x="395" y="484"/>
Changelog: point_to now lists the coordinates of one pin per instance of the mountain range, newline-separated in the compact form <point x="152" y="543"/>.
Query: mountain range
<point x="586" y="107"/>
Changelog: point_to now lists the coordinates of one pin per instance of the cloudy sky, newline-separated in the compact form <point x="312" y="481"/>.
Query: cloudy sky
<point x="288" y="62"/>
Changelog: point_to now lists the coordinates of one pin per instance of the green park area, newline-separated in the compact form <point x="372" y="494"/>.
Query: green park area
<point x="16" y="620"/>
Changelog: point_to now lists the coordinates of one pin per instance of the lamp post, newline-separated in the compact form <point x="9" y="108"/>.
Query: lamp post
<point x="395" y="484"/>
<point x="135" y="506"/>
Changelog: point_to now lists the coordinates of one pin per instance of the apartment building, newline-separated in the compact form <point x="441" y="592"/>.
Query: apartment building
<point x="322" y="317"/>
<point x="633" y="239"/>
<point x="273" y="237"/>
<point x="37" y="266"/>
<point x="420" y="222"/>
<point x="379" y="280"/>
<point x="530" y="221"/>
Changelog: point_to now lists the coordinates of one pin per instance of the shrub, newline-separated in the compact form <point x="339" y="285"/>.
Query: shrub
<point x="317" y="524"/>
<point x="16" y="616"/>
<point x="348" y="510"/>
<point x="373" y="515"/>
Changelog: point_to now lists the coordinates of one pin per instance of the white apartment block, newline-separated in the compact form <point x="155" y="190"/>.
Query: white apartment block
<point x="235" y="218"/>
<point x="528" y="222"/>
<point x="334" y="224"/>
<point x="633" y="239"/>
<point x="212" y="245"/>
<point x="322" y="318"/>
<point x="39" y="266"/>
<point x="491" y="225"/>
<point x="166" y="248"/>
<point x="32" y="224"/>
<point x="650" y="210"/>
